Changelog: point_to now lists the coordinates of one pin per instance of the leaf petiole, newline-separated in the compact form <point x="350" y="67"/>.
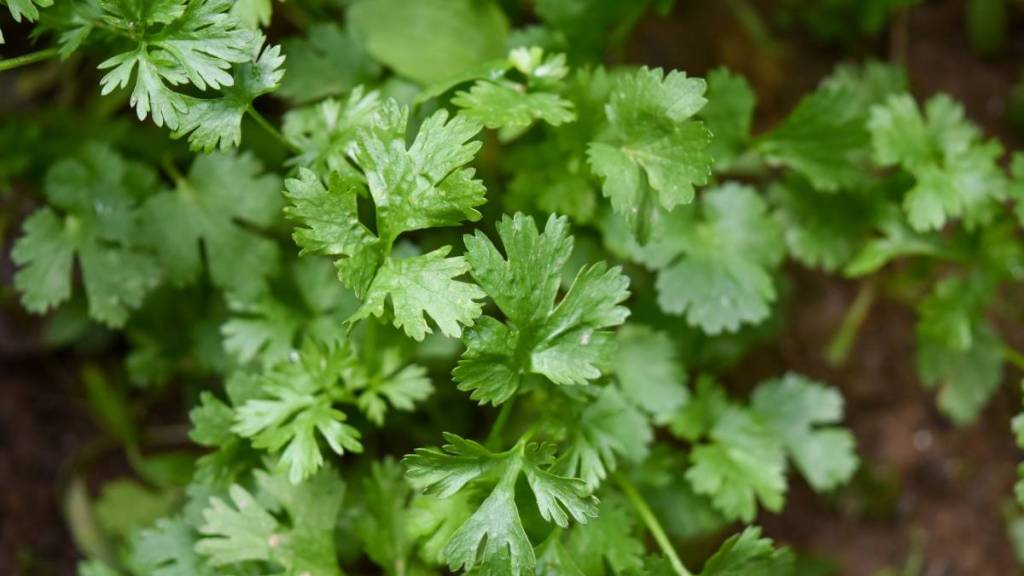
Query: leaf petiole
<point x="26" y="59"/>
<point x="652" y="523"/>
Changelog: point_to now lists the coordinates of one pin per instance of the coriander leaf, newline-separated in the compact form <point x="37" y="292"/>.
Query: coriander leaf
<point x="97" y="193"/>
<point x="957" y="174"/>
<point x="824" y="139"/>
<point x="420" y="186"/>
<point x="563" y="342"/>
<point x="493" y="535"/>
<point x="237" y="533"/>
<point x="729" y="247"/>
<point x="328" y="61"/>
<point x="424" y="285"/>
<point x="324" y="133"/>
<point x="193" y="43"/>
<point x="217" y="122"/>
<point x="29" y="9"/>
<point x="206" y="211"/>
<point x="649" y="372"/>
<point x="381" y="525"/>
<point x="748" y="553"/>
<point x="653" y="154"/>
<point x="253" y="13"/>
<point x="611" y="538"/>
<point x="728" y="114"/>
<point x="430" y="40"/>
<point x="802" y="414"/>
<point x="823" y="230"/>
<point x="554" y="560"/>
<point x="957" y="350"/>
<point x="167" y="549"/>
<point x="608" y="428"/>
<point x="741" y="464"/>
<point x="302" y="543"/>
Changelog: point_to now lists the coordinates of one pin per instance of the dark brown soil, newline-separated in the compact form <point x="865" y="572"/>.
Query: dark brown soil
<point x="923" y="480"/>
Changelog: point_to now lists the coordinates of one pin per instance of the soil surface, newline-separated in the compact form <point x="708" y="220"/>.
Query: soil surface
<point x="926" y="487"/>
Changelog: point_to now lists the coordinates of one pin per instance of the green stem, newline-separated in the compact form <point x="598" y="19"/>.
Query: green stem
<point x="653" y="525"/>
<point x="269" y="128"/>
<point x="754" y="24"/>
<point x="25" y="60"/>
<point x="493" y="441"/>
<point x="839" y="348"/>
<point x="1013" y="357"/>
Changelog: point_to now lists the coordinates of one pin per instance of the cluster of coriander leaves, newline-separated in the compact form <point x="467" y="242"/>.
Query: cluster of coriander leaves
<point x="652" y="168"/>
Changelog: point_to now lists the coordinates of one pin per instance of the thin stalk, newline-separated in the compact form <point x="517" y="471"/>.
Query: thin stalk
<point x="270" y="129"/>
<point x="838" y="350"/>
<point x="1013" y="357"/>
<point x="493" y="441"/>
<point x="26" y="59"/>
<point x="653" y="525"/>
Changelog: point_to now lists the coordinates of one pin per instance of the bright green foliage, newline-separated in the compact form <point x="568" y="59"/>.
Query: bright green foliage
<point x="301" y="542"/>
<point x="649" y="372"/>
<point x="253" y="13"/>
<point x="728" y="246"/>
<point x="803" y="413"/>
<point x="823" y="230"/>
<point x="192" y="42"/>
<point x="328" y="61"/>
<point x="168" y="549"/>
<point x="563" y="342"/>
<point x="413" y="188"/>
<point x="511" y="105"/>
<point x="93" y="218"/>
<point x="27" y="9"/>
<point x="611" y="538"/>
<point x="748" y="553"/>
<point x="957" y="350"/>
<point x="296" y="402"/>
<point x="654" y="153"/>
<point x="430" y="40"/>
<point x="203" y="217"/>
<point x="728" y="114"/>
<point x="323" y="133"/>
<point x="217" y="122"/>
<point x="607" y="430"/>
<point x="956" y="173"/>
<point x="494" y="532"/>
<point x="824" y="139"/>
<point x="382" y="525"/>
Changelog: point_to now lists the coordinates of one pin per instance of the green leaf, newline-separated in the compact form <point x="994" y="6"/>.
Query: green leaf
<point x="748" y="553"/>
<point x="253" y="13"/>
<point x="653" y="155"/>
<point x="742" y="464"/>
<point x="27" y="9"/>
<point x="295" y="408"/>
<point x="422" y="286"/>
<point x="956" y="173"/>
<point x="420" y="186"/>
<point x="96" y="192"/>
<point x="802" y="413"/>
<point x="728" y="114"/>
<point x="324" y="133"/>
<point x="494" y="535"/>
<point x="823" y="139"/>
<point x="957" y="350"/>
<point x="248" y="531"/>
<point x="611" y="538"/>
<point x="210" y="216"/>
<point x="381" y="528"/>
<point x="167" y="549"/>
<point x="194" y="43"/>
<point x="563" y="342"/>
<point x="212" y="123"/>
<point x="430" y="40"/>
<point x="649" y="371"/>
<point x="328" y="61"/>
<point x="729" y="246"/>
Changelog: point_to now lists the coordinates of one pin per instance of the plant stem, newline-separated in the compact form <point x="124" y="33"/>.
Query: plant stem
<point x="269" y="128"/>
<point x="839" y="348"/>
<point x="652" y="525"/>
<point x="25" y="60"/>
<point x="493" y="441"/>
<point x="1013" y="357"/>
